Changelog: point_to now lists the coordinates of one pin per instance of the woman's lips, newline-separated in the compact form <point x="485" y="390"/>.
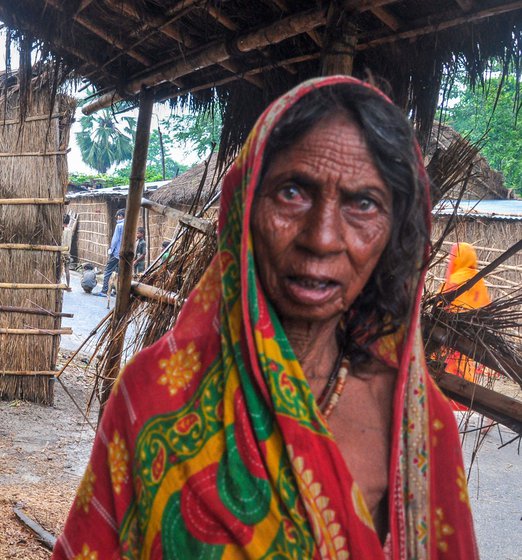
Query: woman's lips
<point x="310" y="290"/>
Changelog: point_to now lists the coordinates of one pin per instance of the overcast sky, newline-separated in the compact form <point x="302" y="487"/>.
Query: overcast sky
<point x="74" y="158"/>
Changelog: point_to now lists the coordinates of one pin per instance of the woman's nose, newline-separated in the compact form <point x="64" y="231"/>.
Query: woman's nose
<point x="322" y="233"/>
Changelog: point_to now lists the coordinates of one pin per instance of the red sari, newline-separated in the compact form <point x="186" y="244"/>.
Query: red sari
<point x="213" y="446"/>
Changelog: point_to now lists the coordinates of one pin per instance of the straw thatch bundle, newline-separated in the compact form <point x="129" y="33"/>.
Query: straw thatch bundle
<point x="33" y="170"/>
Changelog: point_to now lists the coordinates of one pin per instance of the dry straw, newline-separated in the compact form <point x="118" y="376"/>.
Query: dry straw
<point x="30" y="177"/>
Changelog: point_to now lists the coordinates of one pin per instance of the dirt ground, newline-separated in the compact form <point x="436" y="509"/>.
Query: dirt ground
<point x="43" y="452"/>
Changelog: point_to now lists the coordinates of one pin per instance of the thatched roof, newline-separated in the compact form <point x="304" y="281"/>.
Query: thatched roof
<point x="182" y="190"/>
<point x="246" y="52"/>
<point x="484" y="182"/>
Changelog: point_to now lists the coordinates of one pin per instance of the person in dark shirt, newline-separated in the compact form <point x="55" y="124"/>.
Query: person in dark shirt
<point x="141" y="251"/>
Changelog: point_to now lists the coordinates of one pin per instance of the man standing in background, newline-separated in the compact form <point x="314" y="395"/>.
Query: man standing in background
<point x="141" y="251"/>
<point x="114" y="252"/>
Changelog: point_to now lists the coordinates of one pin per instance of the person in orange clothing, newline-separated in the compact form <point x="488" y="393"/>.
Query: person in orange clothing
<point x="462" y="267"/>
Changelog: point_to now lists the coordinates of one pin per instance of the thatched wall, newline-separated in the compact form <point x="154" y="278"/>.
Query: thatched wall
<point x="490" y="237"/>
<point x="42" y="176"/>
<point x="96" y="221"/>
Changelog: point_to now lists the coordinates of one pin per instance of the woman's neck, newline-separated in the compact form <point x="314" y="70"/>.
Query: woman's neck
<point x="315" y="346"/>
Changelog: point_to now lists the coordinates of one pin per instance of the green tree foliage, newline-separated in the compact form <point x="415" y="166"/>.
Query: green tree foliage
<point x="486" y="115"/>
<point x="155" y="161"/>
<point x="197" y="131"/>
<point x="104" y="142"/>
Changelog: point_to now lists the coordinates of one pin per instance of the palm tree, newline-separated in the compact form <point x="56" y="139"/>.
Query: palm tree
<point x="103" y="142"/>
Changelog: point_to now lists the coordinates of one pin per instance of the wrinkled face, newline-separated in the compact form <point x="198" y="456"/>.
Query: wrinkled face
<point x="320" y="223"/>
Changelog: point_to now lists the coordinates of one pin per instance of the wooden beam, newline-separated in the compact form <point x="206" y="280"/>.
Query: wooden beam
<point x="176" y="93"/>
<point x="215" y="53"/>
<point x="137" y="181"/>
<point x="151" y="292"/>
<point x="34" y="154"/>
<point x="220" y="17"/>
<point x="387" y="18"/>
<point x="28" y="373"/>
<point x="84" y="4"/>
<point x="29" y="247"/>
<point x="32" y="118"/>
<point x="440" y="26"/>
<point x="165" y="25"/>
<point x="33" y="311"/>
<point x="338" y="51"/>
<point x="18" y="286"/>
<point x="51" y="332"/>
<point x="485" y="401"/>
<point x="17" y="201"/>
<point x="360" y="6"/>
<point x="187" y="219"/>
<point x="466" y="5"/>
<point x="102" y="34"/>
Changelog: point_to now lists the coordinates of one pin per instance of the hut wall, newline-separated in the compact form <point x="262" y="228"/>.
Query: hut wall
<point x="42" y="176"/>
<point x="490" y="237"/>
<point x="96" y="222"/>
<point x="163" y="228"/>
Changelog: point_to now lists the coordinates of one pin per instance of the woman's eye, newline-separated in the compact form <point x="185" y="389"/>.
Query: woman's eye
<point x="289" y="192"/>
<point x="366" y="204"/>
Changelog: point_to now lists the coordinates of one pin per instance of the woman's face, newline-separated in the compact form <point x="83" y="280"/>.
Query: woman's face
<point x="320" y="223"/>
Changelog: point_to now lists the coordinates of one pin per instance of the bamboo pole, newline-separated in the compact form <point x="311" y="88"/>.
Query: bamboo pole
<point x="29" y="247"/>
<point x="151" y="292"/>
<point x="101" y="32"/>
<point x="34" y="154"/>
<point x="15" y="286"/>
<point x="32" y="201"/>
<point x="215" y="53"/>
<point x="340" y="41"/>
<point x="29" y="373"/>
<point x="34" y="311"/>
<point x="187" y="219"/>
<point x="485" y="401"/>
<point x="33" y="118"/>
<point x="441" y="26"/>
<point x="137" y="181"/>
<point x="171" y="94"/>
<point x="53" y="332"/>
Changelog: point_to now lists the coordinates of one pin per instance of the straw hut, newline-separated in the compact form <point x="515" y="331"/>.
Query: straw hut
<point x="96" y="212"/>
<point x="33" y="176"/>
<point x="483" y="183"/>
<point x="181" y="193"/>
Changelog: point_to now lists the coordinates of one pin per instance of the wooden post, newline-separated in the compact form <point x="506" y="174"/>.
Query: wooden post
<point x="339" y="43"/>
<point x="137" y="181"/>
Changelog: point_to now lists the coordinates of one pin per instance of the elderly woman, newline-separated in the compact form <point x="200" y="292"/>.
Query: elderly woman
<point x="289" y="413"/>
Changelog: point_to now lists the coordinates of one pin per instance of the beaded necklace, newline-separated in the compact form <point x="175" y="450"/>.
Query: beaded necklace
<point x="331" y="393"/>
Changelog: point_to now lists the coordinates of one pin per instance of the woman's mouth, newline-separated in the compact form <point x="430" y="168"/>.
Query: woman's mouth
<point x="310" y="290"/>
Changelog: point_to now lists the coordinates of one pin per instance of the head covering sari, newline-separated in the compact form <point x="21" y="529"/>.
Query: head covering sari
<point x="213" y="446"/>
<point x="462" y="266"/>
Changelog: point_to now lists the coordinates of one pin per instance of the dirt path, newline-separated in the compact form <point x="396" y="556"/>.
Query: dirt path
<point x="43" y="453"/>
